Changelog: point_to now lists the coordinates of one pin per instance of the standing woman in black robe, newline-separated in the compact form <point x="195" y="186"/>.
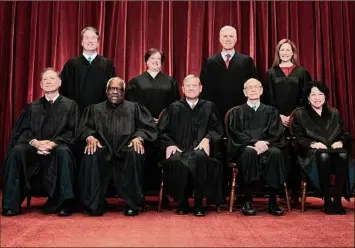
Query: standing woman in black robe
<point x="154" y="90"/>
<point x="284" y="85"/>
<point x="323" y="147"/>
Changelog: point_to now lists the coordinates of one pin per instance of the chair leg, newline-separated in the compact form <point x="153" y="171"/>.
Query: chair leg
<point x="287" y="198"/>
<point x="218" y="209"/>
<point x="232" y="195"/>
<point x="29" y="201"/>
<point x="304" y="189"/>
<point x="144" y="205"/>
<point x="161" y="192"/>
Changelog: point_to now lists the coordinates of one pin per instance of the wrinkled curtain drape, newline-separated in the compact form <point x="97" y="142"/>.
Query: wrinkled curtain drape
<point x="41" y="34"/>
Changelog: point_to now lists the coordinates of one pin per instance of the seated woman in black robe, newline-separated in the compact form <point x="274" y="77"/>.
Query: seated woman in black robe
<point x="155" y="91"/>
<point x="284" y="85"/>
<point x="40" y="157"/>
<point x="321" y="144"/>
<point x="114" y="131"/>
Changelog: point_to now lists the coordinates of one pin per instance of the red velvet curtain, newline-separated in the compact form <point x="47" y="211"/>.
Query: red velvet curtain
<point x="41" y="34"/>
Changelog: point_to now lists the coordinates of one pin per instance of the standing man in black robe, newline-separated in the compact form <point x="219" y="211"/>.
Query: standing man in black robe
<point x="224" y="74"/>
<point x="256" y="142"/>
<point x="84" y="77"/>
<point x="154" y="90"/>
<point x="40" y="152"/>
<point x="188" y="129"/>
<point x="114" y="131"/>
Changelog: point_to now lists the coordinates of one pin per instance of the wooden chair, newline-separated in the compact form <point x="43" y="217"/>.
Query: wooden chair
<point x="235" y="172"/>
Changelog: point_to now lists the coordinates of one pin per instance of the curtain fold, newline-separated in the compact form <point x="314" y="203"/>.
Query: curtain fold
<point x="41" y="34"/>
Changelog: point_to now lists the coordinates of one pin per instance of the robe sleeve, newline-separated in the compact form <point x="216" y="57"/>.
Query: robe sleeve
<point x="176" y="92"/>
<point x="164" y="127"/>
<point x="215" y="128"/>
<point x="111" y="71"/>
<point x="68" y="136"/>
<point x="204" y="77"/>
<point x="302" y="140"/>
<point x="344" y="137"/>
<point x="131" y="90"/>
<point x="237" y="138"/>
<point x="268" y="96"/>
<point x="87" y="125"/>
<point x="22" y="132"/>
<point x="304" y="80"/>
<point x="252" y="69"/>
<point x="145" y="125"/>
<point x="276" y="130"/>
<point x="65" y="77"/>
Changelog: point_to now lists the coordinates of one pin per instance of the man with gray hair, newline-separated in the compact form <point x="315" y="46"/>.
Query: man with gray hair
<point x="223" y="75"/>
<point x="189" y="129"/>
<point x="114" y="132"/>
<point x="84" y="77"/>
<point x="256" y="142"/>
<point x="40" y="157"/>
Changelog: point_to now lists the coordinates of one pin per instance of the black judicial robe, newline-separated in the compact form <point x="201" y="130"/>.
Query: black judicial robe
<point x="154" y="93"/>
<point x="225" y="86"/>
<point x="308" y="126"/>
<point x="286" y="93"/>
<point x="245" y="127"/>
<point x="185" y="127"/>
<point x="42" y="121"/>
<point x="85" y="83"/>
<point x="114" y="126"/>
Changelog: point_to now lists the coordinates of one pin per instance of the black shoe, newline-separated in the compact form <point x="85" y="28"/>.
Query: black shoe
<point x="9" y="212"/>
<point x="275" y="209"/>
<point x="248" y="209"/>
<point x="328" y="206"/>
<point x="183" y="208"/>
<point x="66" y="208"/>
<point x="165" y="201"/>
<point x="64" y="212"/>
<point x="128" y="211"/>
<point x="93" y="212"/>
<point x="338" y="208"/>
<point x="199" y="212"/>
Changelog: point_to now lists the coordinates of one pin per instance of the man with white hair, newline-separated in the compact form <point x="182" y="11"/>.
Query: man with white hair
<point x="189" y="129"/>
<point x="224" y="74"/>
<point x="114" y="132"/>
<point x="256" y="142"/>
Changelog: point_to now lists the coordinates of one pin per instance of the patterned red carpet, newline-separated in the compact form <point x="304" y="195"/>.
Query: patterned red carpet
<point x="309" y="229"/>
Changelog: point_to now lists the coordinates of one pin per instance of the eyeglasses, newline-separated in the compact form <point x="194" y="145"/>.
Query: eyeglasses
<point x="112" y="89"/>
<point x="252" y="87"/>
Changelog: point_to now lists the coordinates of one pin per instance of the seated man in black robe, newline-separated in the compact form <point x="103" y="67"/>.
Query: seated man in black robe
<point x="187" y="129"/>
<point x="114" y="131"/>
<point x="256" y="142"/>
<point x="40" y="152"/>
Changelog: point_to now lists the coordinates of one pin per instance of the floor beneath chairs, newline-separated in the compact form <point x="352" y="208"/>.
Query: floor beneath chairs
<point x="309" y="229"/>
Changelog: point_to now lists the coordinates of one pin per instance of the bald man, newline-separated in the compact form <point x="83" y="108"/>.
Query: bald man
<point x="40" y="158"/>
<point x="256" y="142"/>
<point x="224" y="74"/>
<point x="114" y="131"/>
